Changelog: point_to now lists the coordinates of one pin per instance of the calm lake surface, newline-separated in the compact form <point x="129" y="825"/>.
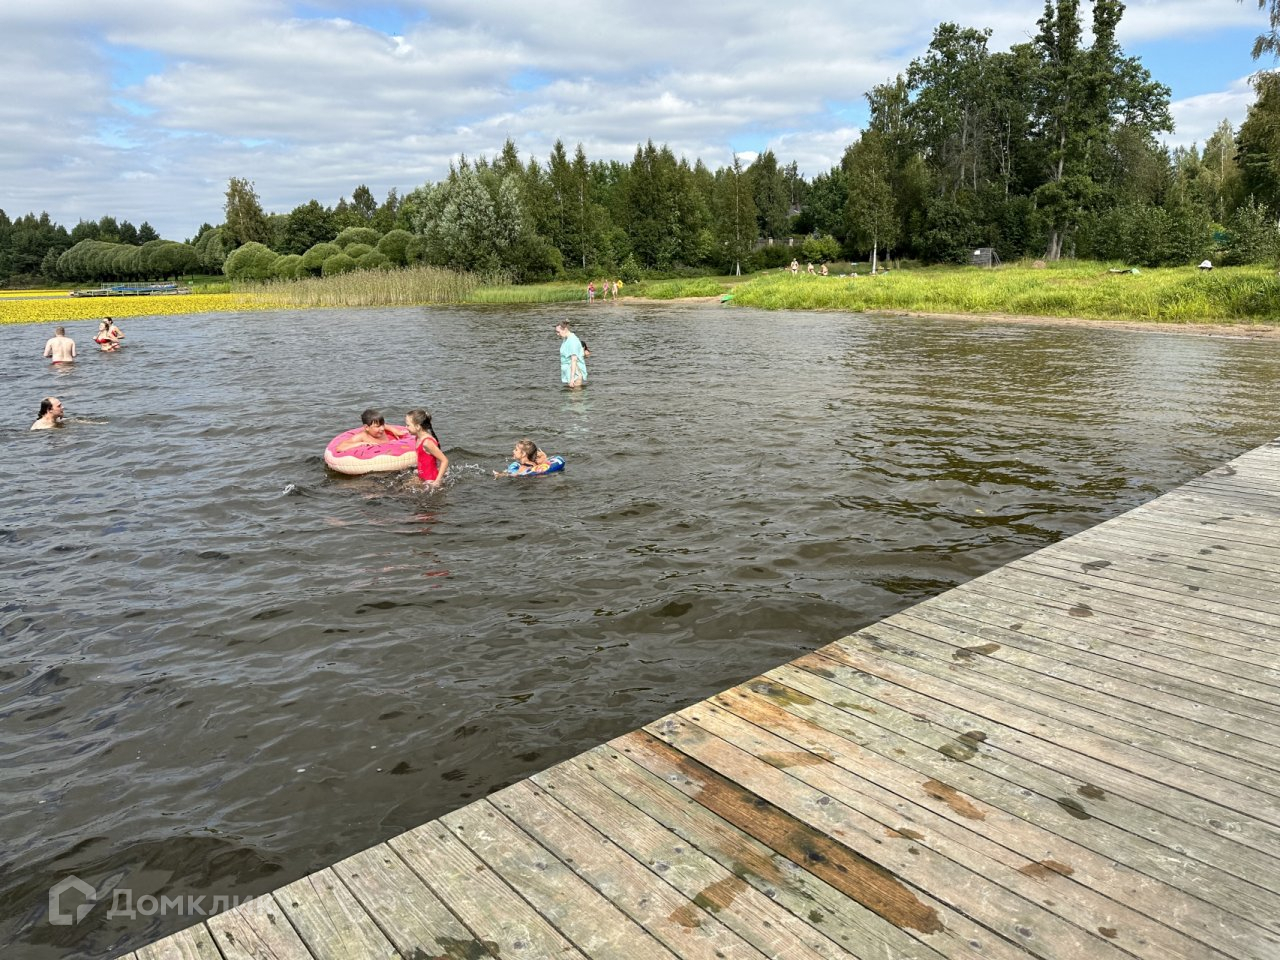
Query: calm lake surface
<point x="222" y="667"/>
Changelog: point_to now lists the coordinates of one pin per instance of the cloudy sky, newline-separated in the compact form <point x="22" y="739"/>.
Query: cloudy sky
<point x="144" y="109"/>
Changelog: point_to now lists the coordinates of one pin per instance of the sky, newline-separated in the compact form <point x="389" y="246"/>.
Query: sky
<point x="143" y="110"/>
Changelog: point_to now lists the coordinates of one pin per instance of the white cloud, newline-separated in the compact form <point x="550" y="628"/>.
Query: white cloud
<point x="1195" y="118"/>
<point x="144" y="110"/>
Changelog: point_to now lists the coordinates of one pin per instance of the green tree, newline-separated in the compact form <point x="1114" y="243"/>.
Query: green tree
<point x="147" y="233"/>
<point x="250" y="261"/>
<point x="363" y="203"/>
<point x="394" y="245"/>
<point x="735" y="214"/>
<point x="1258" y="142"/>
<point x="245" y="221"/>
<point x="308" y="224"/>
<point x="350" y="235"/>
<point x="870" y="211"/>
<point x="337" y="264"/>
<point x="770" y="194"/>
<point x="1084" y="95"/>
<point x="1269" y="40"/>
<point x="314" y="259"/>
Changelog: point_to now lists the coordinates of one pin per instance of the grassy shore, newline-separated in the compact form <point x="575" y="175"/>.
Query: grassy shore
<point x="1084" y="290"/>
<point x="1089" y="291"/>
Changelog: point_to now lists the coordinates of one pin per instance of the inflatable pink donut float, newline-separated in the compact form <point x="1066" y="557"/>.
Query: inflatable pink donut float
<point x="397" y="453"/>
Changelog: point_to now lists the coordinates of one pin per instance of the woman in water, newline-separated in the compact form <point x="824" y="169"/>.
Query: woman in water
<point x="432" y="463"/>
<point x="105" y="338"/>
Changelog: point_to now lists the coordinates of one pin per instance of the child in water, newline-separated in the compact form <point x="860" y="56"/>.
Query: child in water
<point x="529" y="457"/>
<point x="432" y="463"/>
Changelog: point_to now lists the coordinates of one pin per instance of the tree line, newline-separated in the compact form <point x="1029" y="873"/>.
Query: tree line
<point x="1047" y="149"/>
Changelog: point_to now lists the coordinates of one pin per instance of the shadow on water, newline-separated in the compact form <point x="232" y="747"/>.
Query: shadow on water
<point x="222" y="667"/>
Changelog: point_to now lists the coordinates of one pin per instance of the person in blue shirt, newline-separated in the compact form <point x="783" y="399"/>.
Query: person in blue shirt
<point x="573" y="360"/>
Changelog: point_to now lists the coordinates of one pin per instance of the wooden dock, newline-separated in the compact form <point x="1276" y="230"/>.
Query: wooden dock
<point x="1075" y="756"/>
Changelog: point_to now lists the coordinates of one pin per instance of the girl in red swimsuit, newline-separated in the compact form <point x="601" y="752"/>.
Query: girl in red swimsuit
<point x="432" y="463"/>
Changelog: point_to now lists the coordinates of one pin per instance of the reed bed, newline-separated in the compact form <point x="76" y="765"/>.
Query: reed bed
<point x="368" y="288"/>
<point x="528" y="293"/>
<point x="1085" y="290"/>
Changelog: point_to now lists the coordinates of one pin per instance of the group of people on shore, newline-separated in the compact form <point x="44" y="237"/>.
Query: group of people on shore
<point x="60" y="349"/>
<point x="607" y="289"/>
<point x="527" y="456"/>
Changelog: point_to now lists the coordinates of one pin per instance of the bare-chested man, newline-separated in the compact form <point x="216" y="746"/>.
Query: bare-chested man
<point x="60" y="347"/>
<point x="50" y="415"/>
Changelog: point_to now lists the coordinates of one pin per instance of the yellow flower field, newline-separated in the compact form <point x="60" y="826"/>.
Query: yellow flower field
<point x="58" y="309"/>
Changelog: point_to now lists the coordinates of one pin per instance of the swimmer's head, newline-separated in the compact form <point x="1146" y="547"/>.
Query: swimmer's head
<point x="421" y="420"/>
<point x="525" y="450"/>
<point x="61" y="331"/>
<point x="562" y="327"/>
<point x="372" y="417"/>
<point x="50" y="404"/>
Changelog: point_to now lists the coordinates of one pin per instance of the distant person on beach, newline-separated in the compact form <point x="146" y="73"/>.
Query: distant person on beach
<point x="573" y="362"/>
<point x="616" y="285"/>
<point x="60" y="347"/>
<point x="432" y="463"/>
<point x="795" y="267"/>
<point x="50" y="415"/>
<point x="105" y="338"/>
<point x="528" y="456"/>
<point x="809" y="269"/>
<point x="824" y="270"/>
<point x="375" y="432"/>
<point x="591" y="292"/>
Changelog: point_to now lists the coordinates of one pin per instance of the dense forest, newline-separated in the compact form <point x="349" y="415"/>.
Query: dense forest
<point x="1048" y="149"/>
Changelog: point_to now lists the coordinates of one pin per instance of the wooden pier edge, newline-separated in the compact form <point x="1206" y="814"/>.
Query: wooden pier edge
<point x="1074" y="756"/>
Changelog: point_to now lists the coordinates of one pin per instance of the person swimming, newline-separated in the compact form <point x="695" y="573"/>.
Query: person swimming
<point x="375" y="431"/>
<point x="50" y="416"/>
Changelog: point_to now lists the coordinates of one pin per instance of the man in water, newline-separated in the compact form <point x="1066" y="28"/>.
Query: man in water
<point x="573" y="361"/>
<point x="61" y="347"/>
<point x="51" y="413"/>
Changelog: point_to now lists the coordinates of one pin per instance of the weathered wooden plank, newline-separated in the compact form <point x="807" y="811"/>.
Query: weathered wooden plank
<point x="684" y="927"/>
<point x="761" y="921"/>
<point x="479" y="897"/>
<point x="1089" y="702"/>
<point x="1250" y="794"/>
<point x="1085" y="601"/>
<point x="413" y="918"/>
<point x="1181" y="822"/>
<point x="1176" y="525"/>
<point x="1202" y="657"/>
<point x="1208" y="592"/>
<point x="1190" y="547"/>
<point x="257" y="930"/>
<point x="825" y="855"/>
<point x="331" y="921"/>
<point x="842" y="918"/>
<point x="1136" y="556"/>
<point x="1019" y="846"/>
<point x="193" y="943"/>
<point x="1149" y="653"/>
<point x="1195" y="859"/>
<point x="1244" y="616"/>
<point x="972" y="640"/>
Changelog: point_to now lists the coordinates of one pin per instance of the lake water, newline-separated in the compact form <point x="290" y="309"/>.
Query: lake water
<point x="222" y="667"/>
